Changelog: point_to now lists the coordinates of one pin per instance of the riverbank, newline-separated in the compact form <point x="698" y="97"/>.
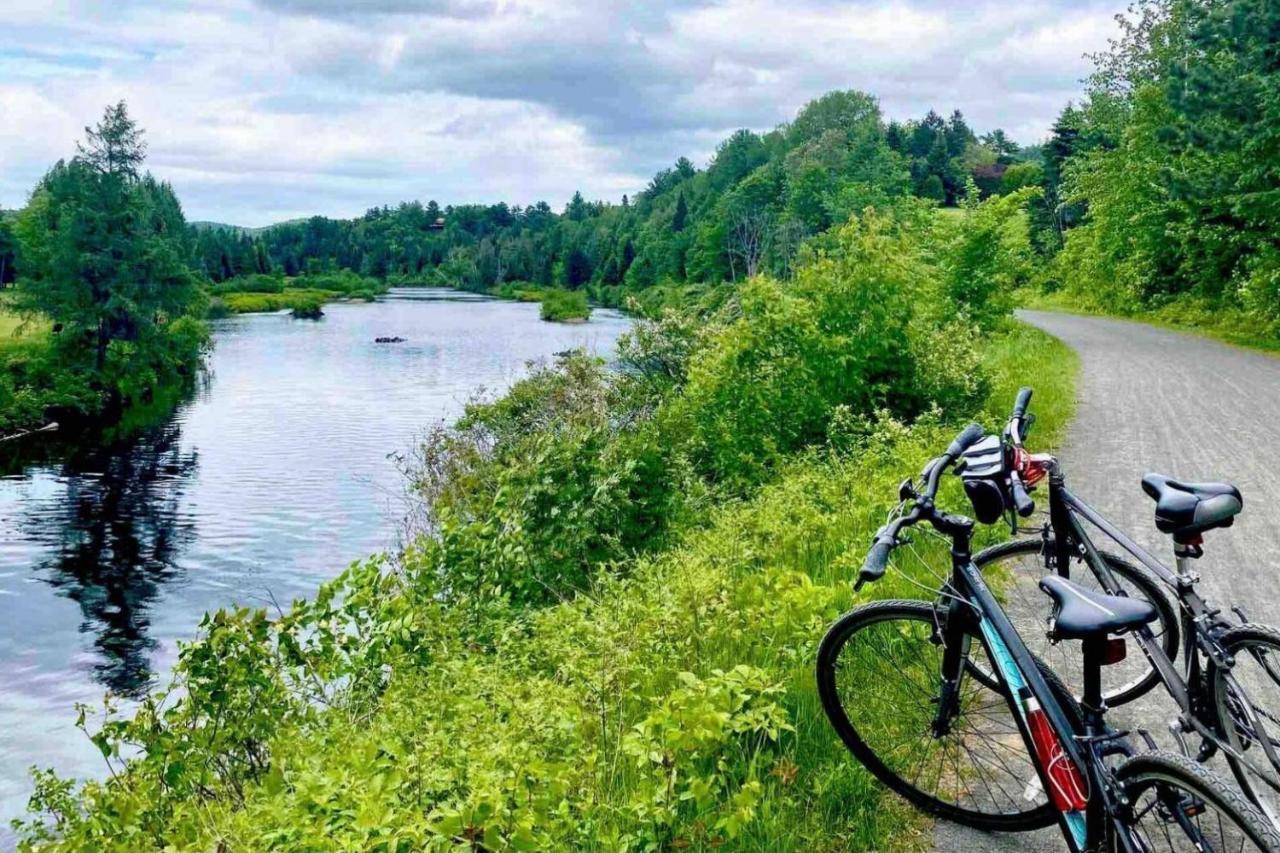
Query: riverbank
<point x="261" y="485"/>
<point x="262" y="293"/>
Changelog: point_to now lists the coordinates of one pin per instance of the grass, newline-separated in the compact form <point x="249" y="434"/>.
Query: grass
<point x="1183" y="314"/>
<point x="15" y="331"/>
<point x="288" y="300"/>
<point x="563" y="306"/>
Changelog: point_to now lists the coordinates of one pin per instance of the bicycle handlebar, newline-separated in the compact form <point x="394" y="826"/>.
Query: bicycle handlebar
<point x="1019" y="416"/>
<point x="1021" y="402"/>
<point x="1022" y="501"/>
<point x="886" y="539"/>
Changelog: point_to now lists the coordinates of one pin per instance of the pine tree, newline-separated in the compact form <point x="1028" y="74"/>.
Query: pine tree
<point x="681" y="216"/>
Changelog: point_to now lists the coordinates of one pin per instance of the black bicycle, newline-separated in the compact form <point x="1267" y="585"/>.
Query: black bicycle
<point x="1228" y="689"/>
<point x="945" y="704"/>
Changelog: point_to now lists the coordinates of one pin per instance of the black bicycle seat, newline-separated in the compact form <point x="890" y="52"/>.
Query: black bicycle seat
<point x="1079" y="613"/>
<point x="1188" y="509"/>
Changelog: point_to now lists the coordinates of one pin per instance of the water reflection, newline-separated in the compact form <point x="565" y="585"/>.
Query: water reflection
<point x="117" y="542"/>
<point x="264" y="484"/>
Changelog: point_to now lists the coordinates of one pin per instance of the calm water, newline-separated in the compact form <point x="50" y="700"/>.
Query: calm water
<point x="270" y="480"/>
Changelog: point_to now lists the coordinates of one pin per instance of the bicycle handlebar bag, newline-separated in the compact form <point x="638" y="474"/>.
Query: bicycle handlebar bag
<point x="985" y="479"/>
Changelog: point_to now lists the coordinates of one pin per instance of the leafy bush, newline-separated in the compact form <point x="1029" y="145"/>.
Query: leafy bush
<point x="343" y="282"/>
<point x="257" y="283"/>
<point x="256" y="303"/>
<point x="564" y="305"/>
<point x="862" y="326"/>
<point x="527" y="494"/>
<point x="990" y="255"/>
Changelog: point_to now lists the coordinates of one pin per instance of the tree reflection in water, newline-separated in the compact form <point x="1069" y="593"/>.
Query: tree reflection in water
<point x="119" y="542"/>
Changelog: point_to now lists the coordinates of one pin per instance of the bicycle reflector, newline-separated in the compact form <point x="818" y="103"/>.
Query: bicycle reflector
<point x="1067" y="789"/>
<point x="983" y="476"/>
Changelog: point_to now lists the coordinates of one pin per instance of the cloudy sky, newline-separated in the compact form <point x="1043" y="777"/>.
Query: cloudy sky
<point x="263" y="110"/>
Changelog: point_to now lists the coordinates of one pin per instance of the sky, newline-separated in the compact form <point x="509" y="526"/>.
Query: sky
<point x="259" y="111"/>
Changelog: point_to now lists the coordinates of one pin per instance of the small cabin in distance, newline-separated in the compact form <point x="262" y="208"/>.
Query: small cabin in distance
<point x="438" y="225"/>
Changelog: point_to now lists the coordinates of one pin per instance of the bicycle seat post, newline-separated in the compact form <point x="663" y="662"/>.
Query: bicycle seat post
<point x="1095" y="652"/>
<point x="1186" y="549"/>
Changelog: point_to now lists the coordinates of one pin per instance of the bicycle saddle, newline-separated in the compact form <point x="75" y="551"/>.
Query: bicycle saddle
<point x="1187" y="509"/>
<point x="1079" y="613"/>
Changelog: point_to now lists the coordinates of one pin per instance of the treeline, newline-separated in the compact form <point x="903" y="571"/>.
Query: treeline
<point x="758" y="201"/>
<point x="1169" y="190"/>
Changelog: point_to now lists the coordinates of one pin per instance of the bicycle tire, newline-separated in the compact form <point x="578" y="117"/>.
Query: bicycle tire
<point x="1139" y="676"/>
<point x="1145" y="772"/>
<point x="1239" y="641"/>
<point x="836" y="640"/>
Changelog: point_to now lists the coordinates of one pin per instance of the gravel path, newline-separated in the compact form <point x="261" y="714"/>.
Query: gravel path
<point x="1156" y="400"/>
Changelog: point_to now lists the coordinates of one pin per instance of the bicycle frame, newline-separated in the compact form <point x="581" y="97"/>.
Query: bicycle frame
<point x="972" y="610"/>
<point x="1201" y="626"/>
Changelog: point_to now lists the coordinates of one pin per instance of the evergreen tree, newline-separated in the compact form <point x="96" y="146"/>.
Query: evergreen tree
<point x="681" y="215"/>
<point x="102" y="250"/>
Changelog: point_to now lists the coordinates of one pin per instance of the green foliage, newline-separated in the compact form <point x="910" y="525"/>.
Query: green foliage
<point x="565" y="305"/>
<point x="102" y="252"/>
<point x="853" y="329"/>
<point x="991" y="255"/>
<point x="1166" y="174"/>
<point x="256" y="283"/>
<point x="288" y="300"/>
<point x="1019" y="175"/>
<point x="672" y="707"/>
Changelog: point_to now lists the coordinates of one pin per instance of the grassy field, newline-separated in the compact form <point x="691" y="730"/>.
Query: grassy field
<point x="15" y="331"/>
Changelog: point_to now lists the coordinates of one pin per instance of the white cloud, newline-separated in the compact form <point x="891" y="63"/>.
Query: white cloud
<point x="279" y="108"/>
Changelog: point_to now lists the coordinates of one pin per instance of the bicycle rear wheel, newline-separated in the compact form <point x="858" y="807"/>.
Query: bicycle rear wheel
<point x="1175" y="804"/>
<point x="879" y="674"/>
<point x="1016" y="568"/>
<point x="1247" y="700"/>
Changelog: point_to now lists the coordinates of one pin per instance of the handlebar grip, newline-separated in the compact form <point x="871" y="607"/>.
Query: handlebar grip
<point x="877" y="561"/>
<point x="1022" y="501"/>
<point x="1021" y="402"/>
<point x="970" y="434"/>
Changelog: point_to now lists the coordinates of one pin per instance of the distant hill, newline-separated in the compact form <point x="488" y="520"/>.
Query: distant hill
<point x="240" y="229"/>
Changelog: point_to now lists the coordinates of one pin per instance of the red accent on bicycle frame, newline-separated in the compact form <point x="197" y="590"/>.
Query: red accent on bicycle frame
<point x="1067" y="789"/>
<point x="1029" y="470"/>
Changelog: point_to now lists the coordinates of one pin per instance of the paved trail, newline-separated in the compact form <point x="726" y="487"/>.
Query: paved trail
<point x="1156" y="400"/>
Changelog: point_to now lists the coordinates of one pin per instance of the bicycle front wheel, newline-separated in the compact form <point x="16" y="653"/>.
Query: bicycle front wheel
<point x="879" y="678"/>
<point x="1177" y="805"/>
<point x="1247" y="699"/>
<point x="1015" y="569"/>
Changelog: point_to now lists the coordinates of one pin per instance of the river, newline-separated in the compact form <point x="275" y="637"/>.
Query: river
<point x="270" y="479"/>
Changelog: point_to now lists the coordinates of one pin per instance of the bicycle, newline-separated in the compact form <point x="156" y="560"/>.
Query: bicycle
<point x="922" y="659"/>
<point x="1227" y="668"/>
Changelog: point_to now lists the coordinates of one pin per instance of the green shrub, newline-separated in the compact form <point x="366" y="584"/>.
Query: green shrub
<point x="864" y="326"/>
<point x="257" y="303"/>
<point x="257" y="283"/>
<point x="343" y="282"/>
<point x="565" y="305"/>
